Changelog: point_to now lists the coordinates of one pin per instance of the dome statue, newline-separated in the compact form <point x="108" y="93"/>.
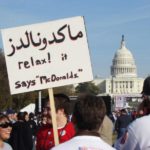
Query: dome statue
<point x="123" y="64"/>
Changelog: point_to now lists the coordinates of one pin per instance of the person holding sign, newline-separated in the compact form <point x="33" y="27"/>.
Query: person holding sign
<point x="88" y="115"/>
<point x="45" y="136"/>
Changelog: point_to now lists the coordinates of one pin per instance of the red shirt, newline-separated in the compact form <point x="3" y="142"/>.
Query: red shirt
<point x="45" y="137"/>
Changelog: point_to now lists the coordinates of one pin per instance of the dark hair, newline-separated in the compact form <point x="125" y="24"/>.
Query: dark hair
<point x="31" y="116"/>
<point x="145" y="105"/>
<point x="2" y="116"/>
<point x="89" y="112"/>
<point x="62" y="101"/>
<point x="123" y="111"/>
<point x="21" y="116"/>
<point x="10" y="111"/>
<point x="146" y="86"/>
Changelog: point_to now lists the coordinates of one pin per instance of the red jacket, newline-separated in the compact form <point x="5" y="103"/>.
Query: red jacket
<point x="45" y="137"/>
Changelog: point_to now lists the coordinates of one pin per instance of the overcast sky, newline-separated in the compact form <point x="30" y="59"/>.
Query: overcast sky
<point x="106" y="21"/>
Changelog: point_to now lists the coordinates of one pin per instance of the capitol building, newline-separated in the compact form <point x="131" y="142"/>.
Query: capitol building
<point x="124" y="79"/>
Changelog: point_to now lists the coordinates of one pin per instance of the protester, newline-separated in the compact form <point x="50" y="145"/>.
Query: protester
<point x="32" y="124"/>
<point x="11" y="115"/>
<point x="88" y="115"/>
<point x="45" y="136"/>
<point x="21" y="136"/>
<point x="113" y="117"/>
<point x="33" y="127"/>
<point x="44" y="120"/>
<point x="26" y="116"/>
<point x="122" y="122"/>
<point x="137" y="136"/>
<point x="5" y="130"/>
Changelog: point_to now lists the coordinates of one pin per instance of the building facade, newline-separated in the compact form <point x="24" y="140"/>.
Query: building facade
<point x="123" y="80"/>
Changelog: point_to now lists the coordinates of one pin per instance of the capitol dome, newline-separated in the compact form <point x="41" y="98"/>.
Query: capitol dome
<point x="123" y="64"/>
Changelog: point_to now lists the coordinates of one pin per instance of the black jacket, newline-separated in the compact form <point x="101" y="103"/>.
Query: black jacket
<point x="123" y="121"/>
<point x="21" y="136"/>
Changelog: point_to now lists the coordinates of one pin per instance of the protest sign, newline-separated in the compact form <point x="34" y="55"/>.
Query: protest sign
<point x="47" y="55"/>
<point x="120" y="101"/>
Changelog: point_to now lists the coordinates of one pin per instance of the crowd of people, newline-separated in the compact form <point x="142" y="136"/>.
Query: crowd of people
<point x="87" y="127"/>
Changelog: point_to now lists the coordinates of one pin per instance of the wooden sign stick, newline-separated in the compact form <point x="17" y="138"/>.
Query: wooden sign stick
<point x="53" y="115"/>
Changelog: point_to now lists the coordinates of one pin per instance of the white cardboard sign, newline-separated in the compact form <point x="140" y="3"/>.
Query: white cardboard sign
<point x="120" y="101"/>
<point x="47" y="55"/>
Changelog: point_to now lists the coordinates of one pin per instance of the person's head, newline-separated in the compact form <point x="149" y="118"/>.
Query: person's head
<point x="114" y="113"/>
<point x="141" y="113"/>
<point x="89" y="112"/>
<point x="146" y="87"/>
<point x="10" y="113"/>
<point x="31" y="116"/>
<point x="62" y="105"/>
<point x="14" y="117"/>
<point x="26" y="116"/>
<point x="46" y="109"/>
<point x="145" y="105"/>
<point x="123" y="111"/>
<point x="5" y="127"/>
<point x="21" y="116"/>
<point x="46" y="119"/>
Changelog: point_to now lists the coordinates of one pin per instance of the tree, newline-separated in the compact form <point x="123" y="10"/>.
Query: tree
<point x="88" y="87"/>
<point x="17" y="101"/>
<point x="23" y="99"/>
<point x="68" y="90"/>
<point x="5" y="98"/>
